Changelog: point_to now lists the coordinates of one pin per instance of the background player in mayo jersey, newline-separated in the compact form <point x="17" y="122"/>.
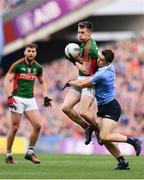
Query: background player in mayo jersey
<point x="21" y="76"/>
<point x="108" y="107"/>
<point x="89" y="55"/>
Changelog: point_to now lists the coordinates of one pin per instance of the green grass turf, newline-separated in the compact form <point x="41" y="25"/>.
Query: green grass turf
<point x="54" y="166"/>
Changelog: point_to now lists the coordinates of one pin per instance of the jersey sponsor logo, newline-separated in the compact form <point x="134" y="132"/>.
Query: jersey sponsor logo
<point x="29" y="70"/>
<point x="34" y="71"/>
<point x="23" y="69"/>
<point x="28" y="76"/>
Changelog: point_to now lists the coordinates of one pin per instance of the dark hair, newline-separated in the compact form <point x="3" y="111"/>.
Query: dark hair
<point x="86" y="24"/>
<point x="31" y="45"/>
<point x="108" y="54"/>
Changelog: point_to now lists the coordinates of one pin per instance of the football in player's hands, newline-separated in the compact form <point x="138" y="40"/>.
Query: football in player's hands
<point x="72" y="49"/>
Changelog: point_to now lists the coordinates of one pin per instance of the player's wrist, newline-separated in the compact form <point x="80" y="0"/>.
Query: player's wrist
<point x="69" y="84"/>
<point x="46" y="97"/>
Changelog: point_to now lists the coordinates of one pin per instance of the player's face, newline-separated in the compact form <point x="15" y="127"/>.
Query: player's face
<point x="83" y="34"/>
<point x="101" y="61"/>
<point x="30" y="53"/>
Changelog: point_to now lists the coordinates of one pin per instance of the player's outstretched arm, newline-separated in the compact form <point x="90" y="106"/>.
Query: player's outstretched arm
<point x="80" y="83"/>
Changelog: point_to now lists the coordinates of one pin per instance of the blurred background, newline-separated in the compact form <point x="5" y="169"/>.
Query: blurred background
<point x="52" y="24"/>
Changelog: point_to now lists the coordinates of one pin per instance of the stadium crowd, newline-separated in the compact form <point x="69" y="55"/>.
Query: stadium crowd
<point x="9" y="5"/>
<point x="129" y="63"/>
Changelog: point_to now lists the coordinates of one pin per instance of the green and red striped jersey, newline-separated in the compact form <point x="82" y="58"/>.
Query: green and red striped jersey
<point x="25" y="75"/>
<point x="89" y="53"/>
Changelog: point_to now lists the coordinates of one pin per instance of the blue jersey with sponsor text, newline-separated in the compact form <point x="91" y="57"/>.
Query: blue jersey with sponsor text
<point x="104" y="82"/>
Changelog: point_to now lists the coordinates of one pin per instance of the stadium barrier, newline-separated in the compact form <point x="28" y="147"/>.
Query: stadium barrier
<point x="69" y="145"/>
<point x="63" y="145"/>
<point x="19" y="146"/>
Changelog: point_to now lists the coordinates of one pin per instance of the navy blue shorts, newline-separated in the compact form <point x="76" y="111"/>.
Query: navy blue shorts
<point x="111" y="110"/>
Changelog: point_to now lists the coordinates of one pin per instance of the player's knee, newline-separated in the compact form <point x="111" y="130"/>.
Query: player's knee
<point x="15" y="128"/>
<point x="82" y="113"/>
<point x="65" y="109"/>
<point x="38" y="126"/>
<point x="104" y="137"/>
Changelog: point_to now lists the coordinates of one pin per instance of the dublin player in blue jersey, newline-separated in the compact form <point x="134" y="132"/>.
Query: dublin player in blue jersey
<point x="109" y="109"/>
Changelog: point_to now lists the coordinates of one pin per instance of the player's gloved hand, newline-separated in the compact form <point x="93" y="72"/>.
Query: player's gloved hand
<point x="66" y="85"/>
<point x="66" y="57"/>
<point x="73" y="60"/>
<point x="11" y="102"/>
<point x="47" y="102"/>
<point x="70" y="58"/>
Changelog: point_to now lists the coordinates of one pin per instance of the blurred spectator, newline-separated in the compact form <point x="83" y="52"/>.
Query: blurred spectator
<point x="11" y="4"/>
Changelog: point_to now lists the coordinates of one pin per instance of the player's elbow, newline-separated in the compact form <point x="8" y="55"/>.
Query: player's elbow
<point x="66" y="109"/>
<point x="7" y="80"/>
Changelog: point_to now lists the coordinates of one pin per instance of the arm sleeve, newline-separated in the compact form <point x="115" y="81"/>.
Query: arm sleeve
<point x="13" y="68"/>
<point x="40" y="71"/>
<point x="93" y="66"/>
<point x="98" y="76"/>
<point x="93" y="56"/>
<point x="87" y="53"/>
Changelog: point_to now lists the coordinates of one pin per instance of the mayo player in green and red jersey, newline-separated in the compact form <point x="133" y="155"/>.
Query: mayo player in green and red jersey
<point x="19" y="86"/>
<point x="87" y="67"/>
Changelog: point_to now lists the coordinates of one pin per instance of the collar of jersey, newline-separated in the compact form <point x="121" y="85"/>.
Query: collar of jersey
<point x="86" y="41"/>
<point x="28" y="63"/>
<point x="105" y="67"/>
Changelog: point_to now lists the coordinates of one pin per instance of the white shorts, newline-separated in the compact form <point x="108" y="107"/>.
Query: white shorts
<point x="24" y="104"/>
<point x="85" y="91"/>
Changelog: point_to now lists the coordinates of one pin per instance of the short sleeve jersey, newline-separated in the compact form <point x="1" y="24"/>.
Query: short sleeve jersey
<point x="24" y="78"/>
<point x="89" y="51"/>
<point x="104" y="82"/>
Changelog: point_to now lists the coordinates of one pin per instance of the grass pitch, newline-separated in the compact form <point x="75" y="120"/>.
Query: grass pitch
<point x="55" y="166"/>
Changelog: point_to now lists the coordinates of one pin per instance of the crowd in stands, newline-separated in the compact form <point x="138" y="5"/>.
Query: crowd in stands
<point x="129" y="63"/>
<point x="8" y="5"/>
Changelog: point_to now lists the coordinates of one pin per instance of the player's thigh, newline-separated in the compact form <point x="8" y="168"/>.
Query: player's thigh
<point x="98" y="121"/>
<point x="15" y="118"/>
<point x="34" y="117"/>
<point x="86" y="102"/>
<point x="71" y="99"/>
<point x="107" y="125"/>
<point x="19" y="105"/>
